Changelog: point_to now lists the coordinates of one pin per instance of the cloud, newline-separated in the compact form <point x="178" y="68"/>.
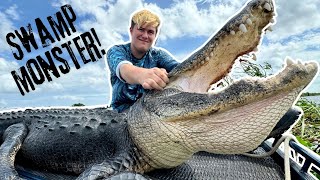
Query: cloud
<point x="186" y="18"/>
<point x="6" y="25"/>
<point x="110" y="19"/>
<point x="304" y="47"/>
<point x="88" y="85"/>
<point x="295" y="34"/>
<point x="12" y="12"/>
<point x="295" y="17"/>
<point x="183" y="18"/>
<point x="90" y="78"/>
<point x="68" y="97"/>
<point x="7" y="84"/>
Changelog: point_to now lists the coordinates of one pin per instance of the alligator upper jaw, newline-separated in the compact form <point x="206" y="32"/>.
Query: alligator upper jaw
<point x="241" y="35"/>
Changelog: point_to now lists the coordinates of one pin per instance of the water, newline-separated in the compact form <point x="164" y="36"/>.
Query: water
<point x="315" y="99"/>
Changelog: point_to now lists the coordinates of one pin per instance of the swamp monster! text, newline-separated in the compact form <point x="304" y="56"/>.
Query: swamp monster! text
<point x="57" y="60"/>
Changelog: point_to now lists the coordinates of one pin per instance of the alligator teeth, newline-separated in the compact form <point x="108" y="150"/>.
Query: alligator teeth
<point x="232" y="32"/>
<point x="211" y="54"/>
<point x="289" y="61"/>
<point x="267" y="6"/>
<point x="244" y="17"/>
<point x="243" y="28"/>
<point x="270" y="28"/>
<point x="255" y="49"/>
<point x="207" y="59"/>
<point x="248" y="21"/>
<point x="259" y="7"/>
<point x="271" y="21"/>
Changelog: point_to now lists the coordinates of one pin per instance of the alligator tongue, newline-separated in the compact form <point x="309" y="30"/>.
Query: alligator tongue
<point x="240" y="35"/>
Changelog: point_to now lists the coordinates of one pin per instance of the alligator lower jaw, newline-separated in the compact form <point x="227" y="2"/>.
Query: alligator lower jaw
<point x="241" y="35"/>
<point x="239" y="118"/>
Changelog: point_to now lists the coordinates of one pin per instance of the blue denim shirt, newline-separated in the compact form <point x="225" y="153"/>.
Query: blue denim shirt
<point x="123" y="94"/>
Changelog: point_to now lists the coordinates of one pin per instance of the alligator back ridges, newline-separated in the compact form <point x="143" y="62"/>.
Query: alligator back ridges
<point x="69" y="140"/>
<point x="28" y="115"/>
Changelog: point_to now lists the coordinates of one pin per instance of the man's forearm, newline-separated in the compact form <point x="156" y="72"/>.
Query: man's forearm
<point x="130" y="73"/>
<point x="154" y="78"/>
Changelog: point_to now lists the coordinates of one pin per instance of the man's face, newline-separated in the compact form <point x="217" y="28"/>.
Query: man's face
<point x="142" y="38"/>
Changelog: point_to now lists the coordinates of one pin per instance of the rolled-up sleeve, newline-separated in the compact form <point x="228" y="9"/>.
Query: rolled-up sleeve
<point x="116" y="56"/>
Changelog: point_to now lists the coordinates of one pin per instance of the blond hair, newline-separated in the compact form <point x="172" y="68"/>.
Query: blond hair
<point x="145" y="18"/>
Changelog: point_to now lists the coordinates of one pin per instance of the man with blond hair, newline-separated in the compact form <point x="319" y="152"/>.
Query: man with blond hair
<point x="138" y="66"/>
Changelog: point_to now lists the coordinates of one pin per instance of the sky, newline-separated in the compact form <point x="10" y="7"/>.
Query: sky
<point x="187" y="24"/>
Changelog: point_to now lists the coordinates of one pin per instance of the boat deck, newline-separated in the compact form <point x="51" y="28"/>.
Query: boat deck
<point x="202" y="165"/>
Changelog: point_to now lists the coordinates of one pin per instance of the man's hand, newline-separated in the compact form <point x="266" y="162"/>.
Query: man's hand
<point x="154" y="78"/>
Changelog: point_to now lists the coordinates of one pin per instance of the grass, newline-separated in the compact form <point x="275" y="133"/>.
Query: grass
<point x="307" y="130"/>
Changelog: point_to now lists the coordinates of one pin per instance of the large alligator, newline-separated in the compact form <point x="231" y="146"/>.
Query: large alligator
<point x="163" y="129"/>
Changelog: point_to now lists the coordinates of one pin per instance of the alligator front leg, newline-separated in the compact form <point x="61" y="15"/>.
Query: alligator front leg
<point x="105" y="171"/>
<point x="12" y="140"/>
<point x="118" y="168"/>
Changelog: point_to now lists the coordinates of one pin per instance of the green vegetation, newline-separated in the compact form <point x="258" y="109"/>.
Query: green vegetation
<point x="307" y="130"/>
<point x="255" y="70"/>
<point x="310" y="94"/>
<point x="77" y="104"/>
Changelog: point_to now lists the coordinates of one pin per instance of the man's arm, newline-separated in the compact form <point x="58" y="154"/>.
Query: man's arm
<point x="154" y="78"/>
